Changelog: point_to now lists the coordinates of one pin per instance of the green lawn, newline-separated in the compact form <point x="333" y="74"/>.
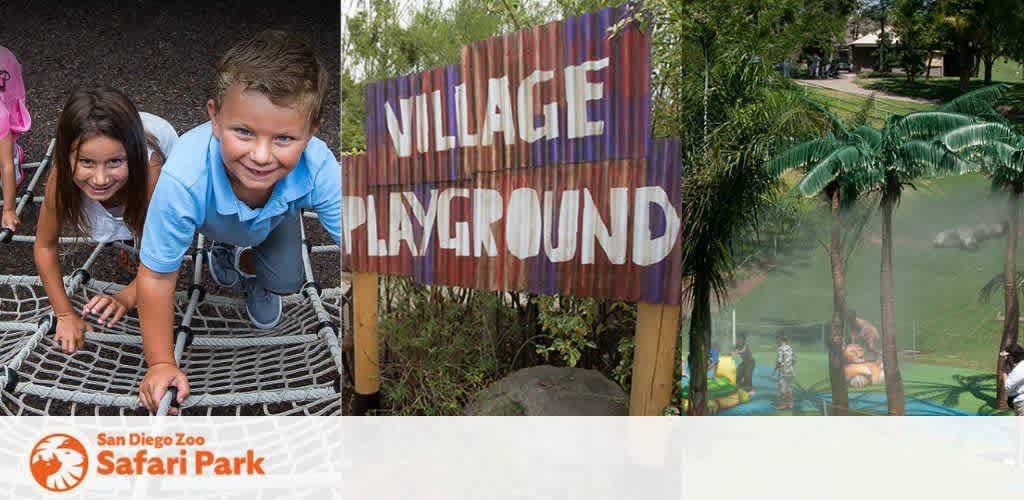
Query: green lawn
<point x="946" y="88"/>
<point x="847" y="105"/>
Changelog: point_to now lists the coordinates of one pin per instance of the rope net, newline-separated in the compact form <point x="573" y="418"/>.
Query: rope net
<point x="233" y="368"/>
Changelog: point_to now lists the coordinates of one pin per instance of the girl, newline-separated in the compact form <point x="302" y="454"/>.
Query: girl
<point x="105" y="165"/>
<point x="14" y="120"/>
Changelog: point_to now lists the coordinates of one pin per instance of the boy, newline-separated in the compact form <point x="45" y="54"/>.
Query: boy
<point x="241" y="180"/>
<point x="784" y="369"/>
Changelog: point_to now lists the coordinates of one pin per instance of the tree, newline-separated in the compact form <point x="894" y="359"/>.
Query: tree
<point x="735" y="114"/>
<point x="910" y="22"/>
<point x="836" y="166"/>
<point x="998" y="149"/>
<point x="962" y="30"/>
<point x="888" y="161"/>
<point x="879" y="10"/>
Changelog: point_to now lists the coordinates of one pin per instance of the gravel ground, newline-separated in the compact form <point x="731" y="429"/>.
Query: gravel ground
<point x="161" y="55"/>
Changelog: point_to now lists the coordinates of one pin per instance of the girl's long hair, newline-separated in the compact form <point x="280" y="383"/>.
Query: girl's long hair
<point x="93" y="112"/>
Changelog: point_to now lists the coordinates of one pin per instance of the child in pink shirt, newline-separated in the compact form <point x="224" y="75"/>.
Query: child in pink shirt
<point x="14" y="120"/>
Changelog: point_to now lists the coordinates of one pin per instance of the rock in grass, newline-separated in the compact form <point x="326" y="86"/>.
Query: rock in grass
<point x="553" y="391"/>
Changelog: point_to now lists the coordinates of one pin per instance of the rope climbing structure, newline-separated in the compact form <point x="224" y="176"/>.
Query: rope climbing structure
<point x="233" y="369"/>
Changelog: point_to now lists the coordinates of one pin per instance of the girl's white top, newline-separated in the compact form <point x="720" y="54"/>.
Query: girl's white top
<point x="107" y="225"/>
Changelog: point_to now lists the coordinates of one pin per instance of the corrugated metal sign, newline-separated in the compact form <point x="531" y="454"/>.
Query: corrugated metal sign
<point x="527" y="167"/>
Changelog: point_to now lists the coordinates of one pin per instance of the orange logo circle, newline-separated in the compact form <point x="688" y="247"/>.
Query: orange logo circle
<point x="59" y="462"/>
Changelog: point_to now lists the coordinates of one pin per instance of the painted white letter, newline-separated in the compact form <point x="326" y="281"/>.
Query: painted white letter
<point x="487" y="209"/>
<point x="523" y="224"/>
<point x="399" y="226"/>
<point x="401" y="138"/>
<point x="375" y="247"/>
<point x="645" y="250"/>
<point x="422" y="124"/>
<point x="460" y="243"/>
<point x="498" y="98"/>
<point x="355" y="215"/>
<point x="444" y="142"/>
<point x="426" y="220"/>
<point x="527" y="131"/>
<point x="567" y="225"/>
<point x="577" y="92"/>
<point x="466" y="137"/>
<point x="614" y="242"/>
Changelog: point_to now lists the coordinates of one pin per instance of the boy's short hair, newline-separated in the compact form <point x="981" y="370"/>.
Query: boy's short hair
<point x="277" y="65"/>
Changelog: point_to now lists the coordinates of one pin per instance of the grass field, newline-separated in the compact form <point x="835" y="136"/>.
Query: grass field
<point x="846" y="105"/>
<point x="946" y="88"/>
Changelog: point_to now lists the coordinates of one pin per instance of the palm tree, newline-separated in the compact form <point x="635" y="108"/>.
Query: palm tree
<point x="887" y="161"/>
<point x="837" y="166"/>
<point x="999" y="150"/>
<point x="725" y="187"/>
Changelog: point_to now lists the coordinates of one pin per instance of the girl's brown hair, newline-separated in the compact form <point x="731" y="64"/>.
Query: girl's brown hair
<point x="93" y="112"/>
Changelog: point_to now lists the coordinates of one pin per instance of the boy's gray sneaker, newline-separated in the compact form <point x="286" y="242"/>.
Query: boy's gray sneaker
<point x="263" y="307"/>
<point x="221" y="258"/>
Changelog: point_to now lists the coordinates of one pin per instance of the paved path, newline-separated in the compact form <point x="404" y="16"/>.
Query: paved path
<point x="846" y="84"/>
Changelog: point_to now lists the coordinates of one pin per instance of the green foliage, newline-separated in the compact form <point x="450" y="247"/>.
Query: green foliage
<point x="442" y="347"/>
<point x="569" y="323"/>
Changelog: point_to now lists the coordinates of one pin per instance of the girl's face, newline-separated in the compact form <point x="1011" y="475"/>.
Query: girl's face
<point x="101" y="167"/>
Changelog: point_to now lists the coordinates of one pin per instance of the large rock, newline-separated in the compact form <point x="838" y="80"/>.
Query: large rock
<point x="549" y="390"/>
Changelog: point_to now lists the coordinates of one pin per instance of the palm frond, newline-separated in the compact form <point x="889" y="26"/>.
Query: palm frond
<point x="931" y="159"/>
<point x="925" y="125"/>
<point x="977" y="134"/>
<point x="995" y="284"/>
<point x="976" y="102"/>
<point x="870" y="135"/>
<point x="801" y="155"/>
<point x="828" y="168"/>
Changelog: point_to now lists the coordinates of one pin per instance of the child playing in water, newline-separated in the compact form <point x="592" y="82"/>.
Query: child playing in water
<point x="784" y="363"/>
<point x="106" y="162"/>
<point x="14" y="120"/>
<point x="242" y="180"/>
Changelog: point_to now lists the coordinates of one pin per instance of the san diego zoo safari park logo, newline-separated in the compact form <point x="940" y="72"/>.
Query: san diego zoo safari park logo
<point x="59" y="462"/>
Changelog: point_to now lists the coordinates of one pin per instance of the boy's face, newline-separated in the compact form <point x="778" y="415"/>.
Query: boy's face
<point x="260" y="142"/>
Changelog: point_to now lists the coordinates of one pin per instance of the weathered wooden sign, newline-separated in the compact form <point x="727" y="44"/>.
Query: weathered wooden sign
<point x="529" y="166"/>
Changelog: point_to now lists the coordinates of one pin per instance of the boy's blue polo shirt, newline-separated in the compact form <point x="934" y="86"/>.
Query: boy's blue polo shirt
<point x="194" y="193"/>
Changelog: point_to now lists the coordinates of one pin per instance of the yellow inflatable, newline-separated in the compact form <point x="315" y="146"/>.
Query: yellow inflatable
<point x="722" y="390"/>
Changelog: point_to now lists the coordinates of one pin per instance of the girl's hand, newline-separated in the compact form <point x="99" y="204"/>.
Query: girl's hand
<point x="104" y="306"/>
<point x="159" y="378"/>
<point x="10" y="220"/>
<point x="70" y="334"/>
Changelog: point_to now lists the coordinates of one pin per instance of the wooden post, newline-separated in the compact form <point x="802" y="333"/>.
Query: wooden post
<point x="367" y="349"/>
<point x="657" y="331"/>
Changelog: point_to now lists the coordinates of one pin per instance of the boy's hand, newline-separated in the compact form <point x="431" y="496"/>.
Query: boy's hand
<point x="104" y="306"/>
<point x="158" y="379"/>
<point x="10" y="220"/>
<point x="70" y="334"/>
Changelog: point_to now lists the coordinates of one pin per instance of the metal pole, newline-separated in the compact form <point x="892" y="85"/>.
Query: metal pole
<point x="734" y="327"/>
<point x="914" y="338"/>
